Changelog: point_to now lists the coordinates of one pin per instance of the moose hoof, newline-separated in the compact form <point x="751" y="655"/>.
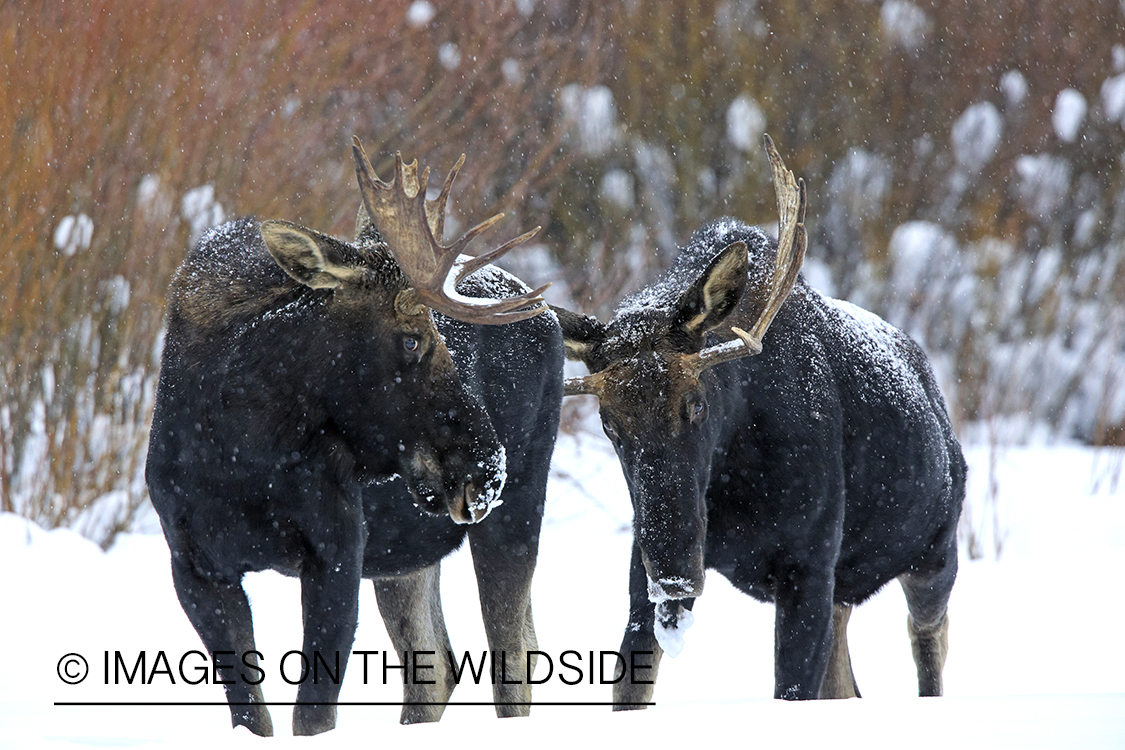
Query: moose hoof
<point x="256" y="719"/>
<point x="310" y="720"/>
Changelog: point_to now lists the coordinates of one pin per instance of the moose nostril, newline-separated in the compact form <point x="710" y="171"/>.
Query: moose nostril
<point x="460" y="506"/>
<point x="478" y="506"/>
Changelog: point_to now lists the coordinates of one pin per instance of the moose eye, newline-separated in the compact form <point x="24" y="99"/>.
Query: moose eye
<point x="610" y="430"/>
<point x="696" y="410"/>
<point x="410" y="344"/>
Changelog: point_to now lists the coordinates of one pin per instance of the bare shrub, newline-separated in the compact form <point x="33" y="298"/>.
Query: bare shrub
<point x="116" y="110"/>
<point x="620" y="127"/>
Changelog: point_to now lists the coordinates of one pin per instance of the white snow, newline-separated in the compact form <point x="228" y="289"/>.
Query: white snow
<point x="745" y="124"/>
<point x="118" y="291"/>
<point x="1084" y="227"/>
<point x="449" y="55"/>
<point x="420" y="13"/>
<point x="918" y="249"/>
<point x="201" y="211"/>
<point x="671" y="622"/>
<point x="1014" y="86"/>
<point x="1045" y="272"/>
<point x="74" y="233"/>
<point x="498" y="466"/>
<point x="598" y="120"/>
<point x="1044" y="180"/>
<point x="1113" y="98"/>
<point x="155" y="202"/>
<point x="859" y="183"/>
<point x="1034" y="661"/>
<point x="493" y="281"/>
<point x="290" y="106"/>
<point x="881" y="346"/>
<point x="617" y="189"/>
<point x="592" y="115"/>
<point x="512" y="70"/>
<point x="656" y="174"/>
<point x="976" y="136"/>
<point x="1068" y="114"/>
<point x="904" y="24"/>
<point x="818" y="275"/>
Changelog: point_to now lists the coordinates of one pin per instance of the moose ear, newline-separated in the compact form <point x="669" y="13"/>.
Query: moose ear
<point x="715" y="293"/>
<point x="581" y="334"/>
<point x="314" y="259"/>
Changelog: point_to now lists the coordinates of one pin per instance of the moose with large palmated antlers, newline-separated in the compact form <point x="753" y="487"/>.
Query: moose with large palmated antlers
<point x="809" y="466"/>
<point x="313" y="417"/>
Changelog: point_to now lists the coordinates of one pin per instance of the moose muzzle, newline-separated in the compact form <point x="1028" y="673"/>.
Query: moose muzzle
<point x="449" y="487"/>
<point x="683" y="579"/>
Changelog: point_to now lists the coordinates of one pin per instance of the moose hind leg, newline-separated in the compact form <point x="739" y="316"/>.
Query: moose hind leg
<point x="839" y="680"/>
<point x="220" y="613"/>
<point x="930" y="645"/>
<point x="927" y="598"/>
<point x="411" y="610"/>
<point x="504" y="586"/>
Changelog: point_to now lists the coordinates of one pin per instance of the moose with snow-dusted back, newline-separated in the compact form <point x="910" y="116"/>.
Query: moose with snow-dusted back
<point x="313" y="417"/>
<point x="809" y="475"/>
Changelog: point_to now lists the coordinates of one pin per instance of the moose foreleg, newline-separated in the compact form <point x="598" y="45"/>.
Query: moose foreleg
<point x="330" y="611"/>
<point x="635" y="680"/>
<point x="802" y="634"/>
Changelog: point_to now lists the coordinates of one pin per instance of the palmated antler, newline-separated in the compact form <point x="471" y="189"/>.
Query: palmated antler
<point x="413" y="227"/>
<point x="791" y="243"/>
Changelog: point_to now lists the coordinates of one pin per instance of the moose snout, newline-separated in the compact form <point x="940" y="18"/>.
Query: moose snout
<point x="671" y="546"/>
<point x="674" y="587"/>
<point x="678" y="578"/>
<point x="448" y="486"/>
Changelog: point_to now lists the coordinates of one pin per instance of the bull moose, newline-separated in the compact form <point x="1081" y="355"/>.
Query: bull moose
<point x="313" y="417"/>
<point x="809" y="475"/>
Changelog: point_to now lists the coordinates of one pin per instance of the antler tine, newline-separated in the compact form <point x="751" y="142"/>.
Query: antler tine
<point x="413" y="226"/>
<point x="436" y="208"/>
<point x="363" y="165"/>
<point x="589" y="385"/>
<point x="792" y="241"/>
<point x="471" y="264"/>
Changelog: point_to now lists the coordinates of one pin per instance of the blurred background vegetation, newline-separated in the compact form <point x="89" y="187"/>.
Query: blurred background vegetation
<point x="964" y="162"/>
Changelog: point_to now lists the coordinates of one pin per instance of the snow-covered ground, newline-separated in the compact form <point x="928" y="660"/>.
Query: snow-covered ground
<point x="1035" y="644"/>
